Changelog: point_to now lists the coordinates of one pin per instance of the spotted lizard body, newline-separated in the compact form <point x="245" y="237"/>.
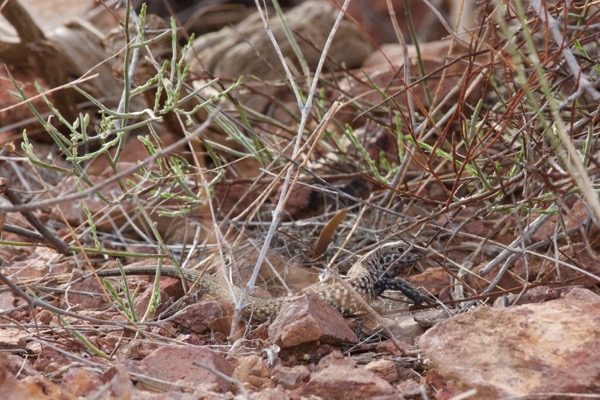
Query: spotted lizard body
<point x="369" y="277"/>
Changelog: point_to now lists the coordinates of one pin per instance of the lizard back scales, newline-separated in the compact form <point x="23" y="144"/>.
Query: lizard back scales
<point x="370" y="276"/>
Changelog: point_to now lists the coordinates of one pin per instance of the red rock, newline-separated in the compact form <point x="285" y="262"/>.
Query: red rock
<point x="30" y="269"/>
<point x="81" y="381"/>
<point x="335" y="359"/>
<point x="179" y="365"/>
<point x="389" y="347"/>
<point x="385" y="369"/>
<point x="231" y="52"/>
<point x="253" y="370"/>
<point x="89" y="285"/>
<point x="308" y="319"/>
<point x="347" y="382"/>
<point x="553" y="347"/>
<point x="199" y="316"/>
<point x="8" y="300"/>
<point x="31" y="388"/>
<point x="17" y="365"/>
<point x="391" y="82"/>
<point x="406" y="328"/>
<point x="290" y="377"/>
<point x="261" y="332"/>
<point x="575" y="216"/>
<point x="169" y="288"/>
<point x="373" y="16"/>
<point x="49" y="359"/>
<point x="118" y="383"/>
<point x="428" y="318"/>
<point x="270" y="394"/>
<point x="409" y="388"/>
<point x="434" y="280"/>
<point x="537" y="294"/>
<point x="45" y="317"/>
<point x="582" y="294"/>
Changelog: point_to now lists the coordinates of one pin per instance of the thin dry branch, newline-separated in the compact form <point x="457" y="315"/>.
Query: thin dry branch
<point x="554" y="27"/>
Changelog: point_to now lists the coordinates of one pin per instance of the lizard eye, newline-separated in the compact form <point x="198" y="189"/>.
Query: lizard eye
<point x="388" y="257"/>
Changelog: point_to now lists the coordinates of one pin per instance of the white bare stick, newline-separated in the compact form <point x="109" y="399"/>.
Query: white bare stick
<point x="304" y="110"/>
<point x="554" y="27"/>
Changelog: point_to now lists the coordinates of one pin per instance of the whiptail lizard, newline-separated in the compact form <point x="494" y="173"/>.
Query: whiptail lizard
<point x="370" y="276"/>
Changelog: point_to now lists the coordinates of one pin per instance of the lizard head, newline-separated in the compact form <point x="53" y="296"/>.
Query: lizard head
<point x="390" y="259"/>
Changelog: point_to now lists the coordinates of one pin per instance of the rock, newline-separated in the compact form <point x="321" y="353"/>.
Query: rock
<point x="337" y="378"/>
<point x="553" y="347"/>
<point x="13" y="338"/>
<point x="308" y="319"/>
<point x="389" y="347"/>
<point x="406" y="328"/>
<point x="403" y="327"/>
<point x="45" y="317"/>
<point x="335" y="359"/>
<point x="410" y="389"/>
<point x="270" y="394"/>
<point x="232" y="52"/>
<point x="37" y="268"/>
<point x="16" y="365"/>
<point x="169" y="289"/>
<point x="434" y="280"/>
<point x="385" y="369"/>
<point x="32" y="387"/>
<point x="81" y="382"/>
<point x="537" y="294"/>
<point x="8" y="300"/>
<point x="392" y="84"/>
<point x="253" y="370"/>
<point x="577" y="214"/>
<point x="179" y="365"/>
<point x="117" y="383"/>
<point x="199" y="316"/>
<point x="88" y="285"/>
<point x="290" y="377"/>
<point x="582" y="294"/>
<point x="373" y="16"/>
<point x="428" y="318"/>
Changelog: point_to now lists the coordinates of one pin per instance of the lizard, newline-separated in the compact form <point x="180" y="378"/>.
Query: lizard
<point x="373" y="273"/>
